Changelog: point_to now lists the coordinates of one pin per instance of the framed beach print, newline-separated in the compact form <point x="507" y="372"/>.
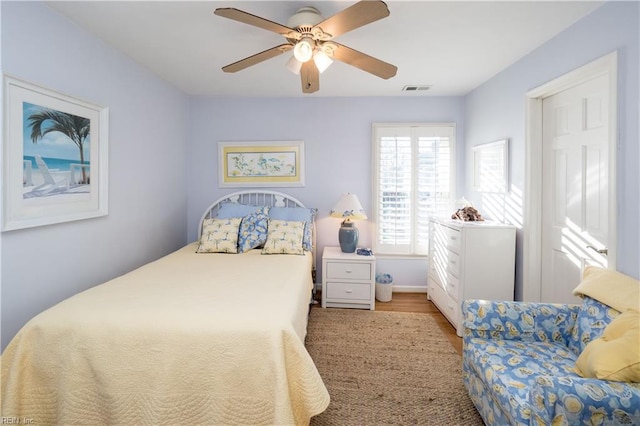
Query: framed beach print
<point x="55" y="157"/>
<point x="261" y="164"/>
<point x="491" y="167"/>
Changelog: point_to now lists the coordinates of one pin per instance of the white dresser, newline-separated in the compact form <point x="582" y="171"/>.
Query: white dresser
<point x="469" y="260"/>
<point x="348" y="280"/>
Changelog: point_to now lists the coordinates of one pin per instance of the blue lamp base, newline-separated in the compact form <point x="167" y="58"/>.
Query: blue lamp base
<point x="348" y="237"/>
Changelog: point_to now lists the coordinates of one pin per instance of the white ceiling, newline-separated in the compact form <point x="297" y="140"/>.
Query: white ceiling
<point x="452" y="46"/>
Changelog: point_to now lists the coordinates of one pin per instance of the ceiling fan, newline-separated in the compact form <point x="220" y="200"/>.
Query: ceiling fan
<point x="310" y="36"/>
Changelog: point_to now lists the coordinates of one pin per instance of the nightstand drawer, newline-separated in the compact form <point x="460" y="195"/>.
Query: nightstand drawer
<point x="348" y="291"/>
<point x="348" y="271"/>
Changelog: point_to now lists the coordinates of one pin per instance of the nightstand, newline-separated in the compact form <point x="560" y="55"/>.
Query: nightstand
<point x="348" y="280"/>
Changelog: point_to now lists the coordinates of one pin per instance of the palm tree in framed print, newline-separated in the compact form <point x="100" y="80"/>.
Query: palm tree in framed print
<point x="76" y="128"/>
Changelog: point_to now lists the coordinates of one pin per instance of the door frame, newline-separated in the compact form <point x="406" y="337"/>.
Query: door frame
<point x="532" y="241"/>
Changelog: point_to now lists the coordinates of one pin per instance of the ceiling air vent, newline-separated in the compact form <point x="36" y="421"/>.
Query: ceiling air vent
<point x="415" y="88"/>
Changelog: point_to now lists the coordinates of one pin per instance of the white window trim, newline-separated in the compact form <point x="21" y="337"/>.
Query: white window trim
<point x="375" y="176"/>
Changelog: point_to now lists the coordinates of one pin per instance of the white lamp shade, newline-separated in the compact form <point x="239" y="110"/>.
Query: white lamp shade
<point x="322" y="61"/>
<point x="348" y="207"/>
<point x="294" y="65"/>
<point x="303" y="50"/>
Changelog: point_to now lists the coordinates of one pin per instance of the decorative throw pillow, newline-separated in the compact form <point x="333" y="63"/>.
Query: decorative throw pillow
<point x="298" y="214"/>
<point x="229" y="210"/>
<point x="616" y="354"/>
<point x="591" y="321"/>
<point x="284" y="237"/>
<point x="219" y="236"/>
<point x="253" y="230"/>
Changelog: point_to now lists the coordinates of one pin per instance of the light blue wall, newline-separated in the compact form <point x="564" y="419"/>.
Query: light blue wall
<point x="496" y="110"/>
<point x="147" y="164"/>
<point x="337" y="136"/>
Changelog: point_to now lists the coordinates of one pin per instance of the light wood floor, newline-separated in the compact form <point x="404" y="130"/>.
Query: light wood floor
<point x="418" y="302"/>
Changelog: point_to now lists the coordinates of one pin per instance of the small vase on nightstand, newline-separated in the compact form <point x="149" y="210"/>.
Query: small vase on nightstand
<point x="348" y="237"/>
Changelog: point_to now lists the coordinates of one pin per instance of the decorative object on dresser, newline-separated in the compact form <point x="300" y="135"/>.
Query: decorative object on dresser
<point x="348" y="208"/>
<point x="348" y="280"/>
<point x="469" y="260"/>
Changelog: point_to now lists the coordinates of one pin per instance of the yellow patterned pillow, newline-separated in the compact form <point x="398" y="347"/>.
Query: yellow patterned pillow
<point x="220" y="235"/>
<point x="284" y="237"/>
<point x="616" y="354"/>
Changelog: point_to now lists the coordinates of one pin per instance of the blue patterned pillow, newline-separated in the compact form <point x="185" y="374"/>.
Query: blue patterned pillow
<point x="253" y="230"/>
<point x="592" y="319"/>
<point x="231" y="210"/>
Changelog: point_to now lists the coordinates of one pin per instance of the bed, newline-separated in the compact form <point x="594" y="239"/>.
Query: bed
<point x="192" y="338"/>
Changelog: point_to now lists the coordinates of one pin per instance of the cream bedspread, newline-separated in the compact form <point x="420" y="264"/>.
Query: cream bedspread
<point x="188" y="339"/>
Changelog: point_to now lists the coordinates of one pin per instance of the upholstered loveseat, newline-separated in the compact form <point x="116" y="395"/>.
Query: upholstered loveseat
<point x="543" y="364"/>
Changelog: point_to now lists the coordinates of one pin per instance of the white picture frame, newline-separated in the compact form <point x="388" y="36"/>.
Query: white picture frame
<point x="55" y="157"/>
<point x="491" y="167"/>
<point x="261" y="164"/>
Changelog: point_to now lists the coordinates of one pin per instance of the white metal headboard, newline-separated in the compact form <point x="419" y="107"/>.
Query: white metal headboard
<point x="256" y="198"/>
<point x="259" y="198"/>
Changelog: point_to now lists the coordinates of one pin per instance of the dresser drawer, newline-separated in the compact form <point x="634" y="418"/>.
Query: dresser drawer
<point x="453" y="287"/>
<point x="447" y="305"/>
<point x="348" y="271"/>
<point x="453" y="263"/>
<point x="452" y="237"/>
<point x="348" y="291"/>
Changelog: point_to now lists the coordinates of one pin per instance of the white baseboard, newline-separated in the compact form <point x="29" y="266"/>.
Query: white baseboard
<point x="409" y="289"/>
<point x="396" y="288"/>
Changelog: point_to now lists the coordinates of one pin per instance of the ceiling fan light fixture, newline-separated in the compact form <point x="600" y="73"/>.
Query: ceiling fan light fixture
<point x="305" y="17"/>
<point x="294" y="65"/>
<point x="322" y="60"/>
<point x="303" y="50"/>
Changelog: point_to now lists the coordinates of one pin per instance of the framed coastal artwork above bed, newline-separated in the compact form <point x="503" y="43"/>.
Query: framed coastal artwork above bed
<point x="261" y="164"/>
<point x="55" y="157"/>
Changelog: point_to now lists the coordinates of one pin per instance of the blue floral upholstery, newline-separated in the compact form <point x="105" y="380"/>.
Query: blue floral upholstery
<point x="518" y="365"/>
<point x="592" y="319"/>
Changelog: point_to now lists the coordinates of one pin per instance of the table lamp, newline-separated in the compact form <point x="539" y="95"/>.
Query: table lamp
<point x="348" y="208"/>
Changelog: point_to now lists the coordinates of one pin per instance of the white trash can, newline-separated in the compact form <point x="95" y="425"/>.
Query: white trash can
<point x="384" y="287"/>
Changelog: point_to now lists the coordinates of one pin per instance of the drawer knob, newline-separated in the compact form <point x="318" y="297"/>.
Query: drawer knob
<point x="348" y="290"/>
<point x="348" y="271"/>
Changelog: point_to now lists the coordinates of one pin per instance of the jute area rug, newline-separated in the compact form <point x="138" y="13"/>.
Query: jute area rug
<point x="387" y="368"/>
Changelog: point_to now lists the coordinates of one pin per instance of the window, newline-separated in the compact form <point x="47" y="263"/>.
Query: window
<point x="413" y="180"/>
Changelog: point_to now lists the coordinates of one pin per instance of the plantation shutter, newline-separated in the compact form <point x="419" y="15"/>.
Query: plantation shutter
<point x="413" y="181"/>
<point x="394" y="196"/>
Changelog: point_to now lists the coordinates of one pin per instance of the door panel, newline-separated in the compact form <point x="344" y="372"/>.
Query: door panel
<point x="575" y="186"/>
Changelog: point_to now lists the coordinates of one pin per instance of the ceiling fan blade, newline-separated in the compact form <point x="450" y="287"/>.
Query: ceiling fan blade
<point x="361" y="13"/>
<point x="256" y="21"/>
<point x="364" y="62"/>
<point x="310" y="77"/>
<point x="257" y="58"/>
